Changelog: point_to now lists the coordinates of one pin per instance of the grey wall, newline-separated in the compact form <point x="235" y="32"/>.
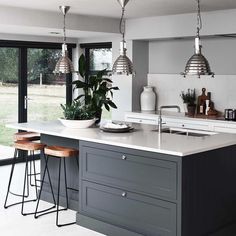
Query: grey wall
<point x="170" y="56"/>
<point x="140" y="61"/>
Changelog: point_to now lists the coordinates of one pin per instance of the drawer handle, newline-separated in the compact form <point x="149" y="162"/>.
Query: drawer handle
<point x="124" y="157"/>
<point x="124" y="194"/>
<point x="182" y="125"/>
<point x="140" y="121"/>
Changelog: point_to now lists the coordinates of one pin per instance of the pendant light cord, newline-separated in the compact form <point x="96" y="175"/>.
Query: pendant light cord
<point x="122" y="24"/>
<point x="64" y="29"/>
<point x="199" y="18"/>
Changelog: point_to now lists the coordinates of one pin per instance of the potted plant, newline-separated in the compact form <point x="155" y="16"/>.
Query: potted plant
<point x="189" y="98"/>
<point x="98" y="90"/>
<point x="77" y="115"/>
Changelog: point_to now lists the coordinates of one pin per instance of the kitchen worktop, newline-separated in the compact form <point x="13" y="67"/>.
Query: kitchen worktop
<point x="181" y="115"/>
<point x="142" y="138"/>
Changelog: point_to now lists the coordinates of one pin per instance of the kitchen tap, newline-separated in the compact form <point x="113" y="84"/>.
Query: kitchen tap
<point x="160" y="118"/>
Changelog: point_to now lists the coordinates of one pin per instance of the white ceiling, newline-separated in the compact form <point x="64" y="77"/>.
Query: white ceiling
<point x="134" y="9"/>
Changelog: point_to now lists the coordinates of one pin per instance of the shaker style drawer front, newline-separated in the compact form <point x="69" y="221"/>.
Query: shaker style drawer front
<point x="141" y="120"/>
<point x="137" y="173"/>
<point x="140" y="214"/>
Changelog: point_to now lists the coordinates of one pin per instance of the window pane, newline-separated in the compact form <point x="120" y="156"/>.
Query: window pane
<point x="100" y="59"/>
<point x="46" y="91"/>
<point x="9" y="58"/>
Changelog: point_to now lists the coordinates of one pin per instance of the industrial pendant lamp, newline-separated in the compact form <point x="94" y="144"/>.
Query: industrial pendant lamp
<point x="122" y="65"/>
<point x="64" y="64"/>
<point x="198" y="64"/>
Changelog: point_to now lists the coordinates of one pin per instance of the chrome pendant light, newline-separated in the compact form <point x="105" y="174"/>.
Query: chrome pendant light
<point x="122" y="65"/>
<point x="64" y="64"/>
<point x="198" y="64"/>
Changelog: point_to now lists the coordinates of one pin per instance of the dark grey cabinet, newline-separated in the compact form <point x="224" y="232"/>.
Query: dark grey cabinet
<point x="132" y="172"/>
<point x="146" y="215"/>
<point x="131" y="192"/>
<point x="130" y="189"/>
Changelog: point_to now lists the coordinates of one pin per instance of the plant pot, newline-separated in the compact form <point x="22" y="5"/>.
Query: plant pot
<point x="77" y="124"/>
<point x="191" y="109"/>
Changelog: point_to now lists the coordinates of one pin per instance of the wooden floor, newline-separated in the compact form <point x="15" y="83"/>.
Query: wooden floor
<point x="12" y="223"/>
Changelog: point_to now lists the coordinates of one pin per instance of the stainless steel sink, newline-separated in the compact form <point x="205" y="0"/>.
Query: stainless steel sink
<point x="188" y="132"/>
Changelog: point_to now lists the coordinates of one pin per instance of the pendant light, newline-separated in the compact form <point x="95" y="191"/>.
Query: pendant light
<point x="122" y="65"/>
<point x="64" y="64"/>
<point x="198" y="64"/>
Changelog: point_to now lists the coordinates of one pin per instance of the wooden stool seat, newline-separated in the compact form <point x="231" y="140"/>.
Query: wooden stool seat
<point x="28" y="146"/>
<point x="59" y="151"/>
<point x="26" y="136"/>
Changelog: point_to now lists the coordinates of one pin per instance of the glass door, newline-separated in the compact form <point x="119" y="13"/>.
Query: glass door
<point x="45" y="91"/>
<point x="9" y="80"/>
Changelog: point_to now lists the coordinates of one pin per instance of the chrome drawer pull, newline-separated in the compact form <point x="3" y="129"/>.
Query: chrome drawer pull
<point x="124" y="157"/>
<point x="124" y="194"/>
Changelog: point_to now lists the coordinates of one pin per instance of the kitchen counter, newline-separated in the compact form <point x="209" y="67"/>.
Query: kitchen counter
<point x="142" y="138"/>
<point x="140" y="183"/>
<point x="181" y="115"/>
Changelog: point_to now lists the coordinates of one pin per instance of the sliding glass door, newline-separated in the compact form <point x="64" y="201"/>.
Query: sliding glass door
<point x="9" y="80"/>
<point x="45" y="91"/>
<point x="28" y="88"/>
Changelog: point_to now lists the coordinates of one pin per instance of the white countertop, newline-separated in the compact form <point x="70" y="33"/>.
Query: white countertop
<point x="182" y="116"/>
<point x="142" y="138"/>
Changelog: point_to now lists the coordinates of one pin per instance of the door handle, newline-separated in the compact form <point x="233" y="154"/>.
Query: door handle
<point x="26" y="99"/>
<point x="25" y="102"/>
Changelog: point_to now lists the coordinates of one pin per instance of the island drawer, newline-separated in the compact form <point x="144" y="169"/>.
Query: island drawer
<point x="136" y="173"/>
<point x="141" y="214"/>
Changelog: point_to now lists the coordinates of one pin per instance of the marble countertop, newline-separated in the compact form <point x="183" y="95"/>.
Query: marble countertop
<point x="142" y="138"/>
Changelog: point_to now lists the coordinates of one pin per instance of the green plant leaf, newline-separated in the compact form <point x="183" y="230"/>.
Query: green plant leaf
<point x="112" y="104"/>
<point x="82" y="67"/>
<point x="101" y="73"/>
<point x="107" y="107"/>
<point x="80" y="84"/>
<point x="114" y="88"/>
<point x="80" y="96"/>
<point x="108" y="80"/>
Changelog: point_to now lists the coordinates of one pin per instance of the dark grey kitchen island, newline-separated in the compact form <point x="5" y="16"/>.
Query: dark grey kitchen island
<point x="141" y="183"/>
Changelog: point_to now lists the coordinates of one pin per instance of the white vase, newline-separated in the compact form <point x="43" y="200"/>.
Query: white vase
<point x="148" y="99"/>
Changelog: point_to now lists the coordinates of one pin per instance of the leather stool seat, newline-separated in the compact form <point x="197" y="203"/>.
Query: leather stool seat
<point x="59" y="151"/>
<point x="26" y="136"/>
<point x="28" y="146"/>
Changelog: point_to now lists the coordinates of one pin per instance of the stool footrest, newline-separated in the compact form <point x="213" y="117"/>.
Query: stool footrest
<point x="46" y="211"/>
<point x="17" y="203"/>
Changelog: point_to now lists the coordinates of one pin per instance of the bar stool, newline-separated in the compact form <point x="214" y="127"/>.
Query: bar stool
<point x="22" y="145"/>
<point x="60" y="153"/>
<point x="28" y="136"/>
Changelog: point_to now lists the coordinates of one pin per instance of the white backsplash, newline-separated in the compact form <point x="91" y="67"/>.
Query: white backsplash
<point x="169" y="86"/>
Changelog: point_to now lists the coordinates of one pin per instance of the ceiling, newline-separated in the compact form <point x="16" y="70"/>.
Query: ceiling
<point x="134" y="9"/>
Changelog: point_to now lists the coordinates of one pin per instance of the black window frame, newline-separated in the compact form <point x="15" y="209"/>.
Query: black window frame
<point x="22" y="83"/>
<point x="87" y="47"/>
<point x="22" y="88"/>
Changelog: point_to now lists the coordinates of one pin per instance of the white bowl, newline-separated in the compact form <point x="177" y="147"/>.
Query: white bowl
<point x="77" y="124"/>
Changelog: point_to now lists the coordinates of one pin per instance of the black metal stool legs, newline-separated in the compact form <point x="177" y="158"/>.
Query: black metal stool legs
<point x="10" y="179"/>
<point x="45" y="211"/>
<point x="58" y="209"/>
<point x="25" y="186"/>
<point x="58" y="194"/>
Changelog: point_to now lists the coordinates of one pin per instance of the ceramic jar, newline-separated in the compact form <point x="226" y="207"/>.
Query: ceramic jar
<point x="148" y="99"/>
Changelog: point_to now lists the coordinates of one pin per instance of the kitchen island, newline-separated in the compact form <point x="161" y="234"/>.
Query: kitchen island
<point x="143" y="183"/>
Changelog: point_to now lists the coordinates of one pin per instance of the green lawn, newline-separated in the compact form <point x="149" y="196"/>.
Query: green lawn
<point x="44" y="105"/>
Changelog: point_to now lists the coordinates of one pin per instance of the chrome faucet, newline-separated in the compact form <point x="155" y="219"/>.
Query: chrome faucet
<point x="160" y="118"/>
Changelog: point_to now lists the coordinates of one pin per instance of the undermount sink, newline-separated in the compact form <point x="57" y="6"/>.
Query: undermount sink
<point x="188" y="132"/>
